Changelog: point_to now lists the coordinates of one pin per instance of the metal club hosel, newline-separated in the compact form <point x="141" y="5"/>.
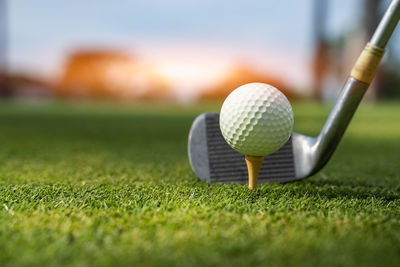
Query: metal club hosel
<point x="316" y="151"/>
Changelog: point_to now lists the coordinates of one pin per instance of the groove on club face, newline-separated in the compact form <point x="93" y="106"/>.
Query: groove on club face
<point x="220" y="163"/>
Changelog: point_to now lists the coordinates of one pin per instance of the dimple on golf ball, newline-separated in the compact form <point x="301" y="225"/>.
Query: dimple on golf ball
<point x="256" y="119"/>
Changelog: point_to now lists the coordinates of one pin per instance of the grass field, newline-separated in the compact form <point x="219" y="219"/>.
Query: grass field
<point x="105" y="184"/>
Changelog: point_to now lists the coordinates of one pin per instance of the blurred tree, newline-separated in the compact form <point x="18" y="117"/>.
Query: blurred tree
<point x="242" y="74"/>
<point x="370" y="19"/>
<point x="110" y="73"/>
<point x="23" y="85"/>
<point x="371" y="16"/>
<point x="391" y="81"/>
<point x="4" y="86"/>
<point x="320" y="62"/>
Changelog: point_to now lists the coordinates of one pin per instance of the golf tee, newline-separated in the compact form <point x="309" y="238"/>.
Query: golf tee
<point x="253" y="167"/>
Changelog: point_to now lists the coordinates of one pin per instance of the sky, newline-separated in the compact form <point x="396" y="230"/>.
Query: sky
<point x="194" y="42"/>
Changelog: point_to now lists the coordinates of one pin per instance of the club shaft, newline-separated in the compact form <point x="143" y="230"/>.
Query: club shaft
<point x="354" y="88"/>
<point x="387" y="25"/>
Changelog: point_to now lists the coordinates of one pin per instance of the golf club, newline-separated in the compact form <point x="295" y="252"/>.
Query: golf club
<point x="213" y="160"/>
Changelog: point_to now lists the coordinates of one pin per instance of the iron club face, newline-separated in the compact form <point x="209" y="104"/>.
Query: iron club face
<point x="213" y="160"/>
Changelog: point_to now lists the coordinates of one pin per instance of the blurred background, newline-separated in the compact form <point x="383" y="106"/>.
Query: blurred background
<point x="187" y="51"/>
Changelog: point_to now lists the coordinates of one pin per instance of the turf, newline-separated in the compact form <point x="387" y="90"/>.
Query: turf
<point x="110" y="184"/>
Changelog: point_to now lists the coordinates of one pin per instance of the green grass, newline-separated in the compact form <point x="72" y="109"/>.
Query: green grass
<point x="110" y="184"/>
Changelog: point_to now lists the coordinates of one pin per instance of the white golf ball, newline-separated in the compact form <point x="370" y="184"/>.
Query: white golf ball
<point x="256" y="119"/>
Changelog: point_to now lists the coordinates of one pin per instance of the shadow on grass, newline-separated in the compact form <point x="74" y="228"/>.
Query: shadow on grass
<point x="340" y="189"/>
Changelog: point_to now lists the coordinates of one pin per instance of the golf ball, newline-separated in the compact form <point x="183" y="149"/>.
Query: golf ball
<point x="256" y="119"/>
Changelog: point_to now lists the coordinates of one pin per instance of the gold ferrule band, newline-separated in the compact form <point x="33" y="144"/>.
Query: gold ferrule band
<point x="366" y="65"/>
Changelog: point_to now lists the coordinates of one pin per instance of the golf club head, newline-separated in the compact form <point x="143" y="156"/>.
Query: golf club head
<point x="213" y="160"/>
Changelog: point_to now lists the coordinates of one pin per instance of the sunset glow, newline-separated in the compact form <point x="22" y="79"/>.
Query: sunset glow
<point x="197" y="74"/>
<point x="189" y="79"/>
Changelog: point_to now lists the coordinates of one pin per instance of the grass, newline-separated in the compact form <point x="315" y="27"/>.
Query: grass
<point x="108" y="184"/>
